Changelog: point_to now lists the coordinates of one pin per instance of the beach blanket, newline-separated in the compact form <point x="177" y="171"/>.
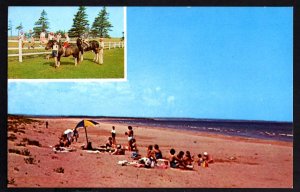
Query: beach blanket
<point x="125" y="163"/>
<point x="63" y="149"/>
<point x="92" y="151"/>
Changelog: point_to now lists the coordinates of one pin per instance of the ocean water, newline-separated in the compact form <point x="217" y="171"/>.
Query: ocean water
<point x="280" y="131"/>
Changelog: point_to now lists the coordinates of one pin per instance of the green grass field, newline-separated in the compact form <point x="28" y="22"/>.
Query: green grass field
<point x="37" y="67"/>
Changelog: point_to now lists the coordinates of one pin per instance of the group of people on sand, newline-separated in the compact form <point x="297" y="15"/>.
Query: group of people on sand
<point x="117" y="149"/>
<point x="154" y="156"/>
<point x="66" y="138"/>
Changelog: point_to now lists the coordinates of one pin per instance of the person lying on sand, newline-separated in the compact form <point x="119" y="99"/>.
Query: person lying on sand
<point x="119" y="151"/>
<point x="157" y="152"/>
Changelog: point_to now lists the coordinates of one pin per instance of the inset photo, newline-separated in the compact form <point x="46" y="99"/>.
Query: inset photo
<point x="80" y="42"/>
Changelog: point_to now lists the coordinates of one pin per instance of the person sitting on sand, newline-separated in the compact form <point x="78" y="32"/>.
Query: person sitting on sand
<point x="199" y="161"/>
<point x="119" y="151"/>
<point x="188" y="160"/>
<point x="63" y="142"/>
<point x="208" y="158"/>
<point x="133" y="145"/>
<point x="109" y="143"/>
<point x="157" y="151"/>
<point x="174" y="160"/>
<point x="75" y="134"/>
<point x="130" y="137"/>
<point x="180" y="159"/>
<point x="150" y="153"/>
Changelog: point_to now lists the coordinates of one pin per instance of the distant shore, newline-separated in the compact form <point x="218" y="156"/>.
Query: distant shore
<point x="239" y="162"/>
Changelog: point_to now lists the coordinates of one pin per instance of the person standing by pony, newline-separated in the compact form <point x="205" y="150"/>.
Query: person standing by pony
<point x="66" y="43"/>
<point x="51" y="36"/>
<point x="30" y="39"/>
<point x="42" y="37"/>
<point x="55" y="52"/>
<point x="101" y="47"/>
<point x="21" y="36"/>
<point x="58" y="37"/>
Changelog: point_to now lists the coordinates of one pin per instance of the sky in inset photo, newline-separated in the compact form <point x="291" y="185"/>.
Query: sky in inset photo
<point x="61" y="18"/>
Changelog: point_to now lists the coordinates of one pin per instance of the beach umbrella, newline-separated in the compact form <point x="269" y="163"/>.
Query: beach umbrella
<point x="86" y="123"/>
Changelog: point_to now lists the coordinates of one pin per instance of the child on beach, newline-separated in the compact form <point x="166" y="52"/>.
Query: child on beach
<point x="130" y="137"/>
<point x="157" y="151"/>
<point x="113" y="135"/>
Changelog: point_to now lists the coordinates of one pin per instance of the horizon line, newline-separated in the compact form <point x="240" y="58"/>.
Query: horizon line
<point x="135" y="117"/>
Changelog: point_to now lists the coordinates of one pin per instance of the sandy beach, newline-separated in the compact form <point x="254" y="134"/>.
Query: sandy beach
<point x="238" y="162"/>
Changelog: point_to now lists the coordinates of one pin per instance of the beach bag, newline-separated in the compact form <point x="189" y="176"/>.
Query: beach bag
<point x="134" y="155"/>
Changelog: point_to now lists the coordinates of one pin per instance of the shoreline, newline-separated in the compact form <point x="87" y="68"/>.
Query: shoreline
<point x="203" y="132"/>
<point x="210" y="134"/>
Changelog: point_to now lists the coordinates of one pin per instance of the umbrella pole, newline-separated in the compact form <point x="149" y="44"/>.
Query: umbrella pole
<point x="87" y="141"/>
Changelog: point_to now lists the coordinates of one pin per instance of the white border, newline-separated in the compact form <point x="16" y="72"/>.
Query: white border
<point x="88" y="80"/>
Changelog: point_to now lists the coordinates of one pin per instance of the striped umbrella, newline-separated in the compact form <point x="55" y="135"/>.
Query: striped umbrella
<point x="86" y="123"/>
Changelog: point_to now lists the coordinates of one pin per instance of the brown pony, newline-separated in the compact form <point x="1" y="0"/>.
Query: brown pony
<point x="70" y="50"/>
<point x="93" y="45"/>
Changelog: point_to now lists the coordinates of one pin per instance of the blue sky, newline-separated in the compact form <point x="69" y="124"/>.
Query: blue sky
<point x="200" y="62"/>
<point x="30" y="14"/>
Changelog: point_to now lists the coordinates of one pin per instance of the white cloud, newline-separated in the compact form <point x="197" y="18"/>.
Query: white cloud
<point x="170" y="99"/>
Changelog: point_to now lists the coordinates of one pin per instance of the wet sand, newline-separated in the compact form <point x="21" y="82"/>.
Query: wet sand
<point x="239" y="162"/>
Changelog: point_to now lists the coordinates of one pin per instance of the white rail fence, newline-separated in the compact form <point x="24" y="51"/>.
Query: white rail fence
<point x="20" y="54"/>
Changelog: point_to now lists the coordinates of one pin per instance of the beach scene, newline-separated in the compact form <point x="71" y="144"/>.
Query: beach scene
<point x="207" y="103"/>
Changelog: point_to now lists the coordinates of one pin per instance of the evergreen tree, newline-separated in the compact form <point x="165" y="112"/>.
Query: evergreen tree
<point x="61" y="32"/>
<point x="41" y="25"/>
<point x="10" y="27"/>
<point x="122" y="38"/>
<point x="19" y="28"/>
<point x="80" y="23"/>
<point x="101" y="25"/>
